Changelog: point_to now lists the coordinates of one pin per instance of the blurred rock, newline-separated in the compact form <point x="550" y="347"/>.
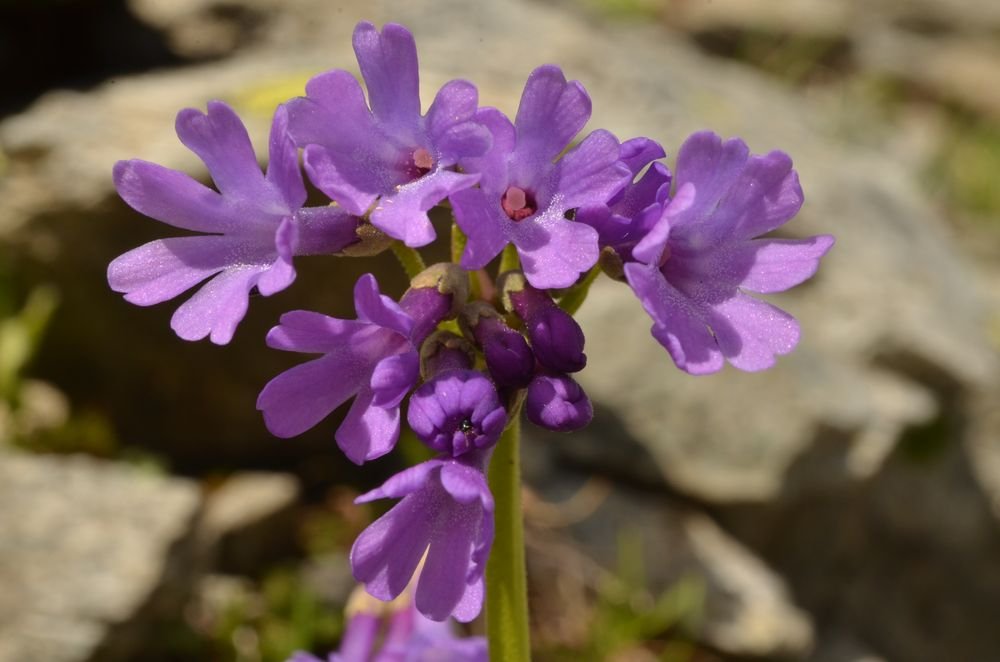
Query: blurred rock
<point x="90" y="552"/>
<point x="249" y="521"/>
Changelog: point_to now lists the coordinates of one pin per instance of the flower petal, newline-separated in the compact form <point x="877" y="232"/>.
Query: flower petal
<point x="405" y="482"/>
<point x="590" y="173"/>
<point x="333" y="114"/>
<point x="375" y="308"/>
<point x="394" y="377"/>
<point x="283" y="172"/>
<point x="780" y="264"/>
<point x="481" y="223"/>
<point x="174" y="198"/>
<point x="751" y="332"/>
<point x="218" y="307"/>
<point x="314" y="333"/>
<point x="637" y="153"/>
<point x="455" y="103"/>
<point x="352" y="183"/>
<point x="386" y="554"/>
<point x="493" y="164"/>
<point x="325" y="230"/>
<point x="467" y="609"/>
<point x="299" y="398"/>
<point x="678" y="325"/>
<point x="162" y="269"/>
<point x="368" y="431"/>
<point x="221" y="141"/>
<point x="555" y="251"/>
<point x="388" y="64"/>
<point x="403" y="215"/>
<point x="443" y="578"/>
<point x="281" y="274"/>
<point x="551" y="112"/>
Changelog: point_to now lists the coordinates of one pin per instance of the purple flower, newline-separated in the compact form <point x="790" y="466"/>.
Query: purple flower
<point x="255" y="224"/>
<point x="389" y="153"/>
<point x="373" y="359"/>
<point x="631" y="214"/>
<point x="696" y="263"/>
<point x="509" y="360"/>
<point x="557" y="402"/>
<point x="457" y="409"/>
<point x="524" y="195"/>
<point x="447" y="512"/>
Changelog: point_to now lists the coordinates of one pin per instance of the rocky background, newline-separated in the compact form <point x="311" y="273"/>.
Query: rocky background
<point x="841" y="507"/>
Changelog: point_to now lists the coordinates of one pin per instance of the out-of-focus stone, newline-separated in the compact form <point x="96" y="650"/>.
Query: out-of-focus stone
<point x="89" y="551"/>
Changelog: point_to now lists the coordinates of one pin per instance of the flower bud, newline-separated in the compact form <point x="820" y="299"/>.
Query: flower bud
<point x="557" y="402"/>
<point x="508" y="358"/>
<point x="437" y="293"/>
<point x="556" y="339"/>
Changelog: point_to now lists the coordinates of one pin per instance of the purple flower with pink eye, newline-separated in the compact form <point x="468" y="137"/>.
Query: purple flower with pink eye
<point x="447" y="512"/>
<point x="373" y="359"/>
<point x="525" y="194"/>
<point x="389" y="153"/>
<point x="695" y="266"/>
<point x="255" y="224"/>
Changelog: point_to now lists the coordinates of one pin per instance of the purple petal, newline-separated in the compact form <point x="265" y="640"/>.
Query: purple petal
<point x="360" y="636"/>
<point x="174" y="198"/>
<point x="650" y="248"/>
<point x="333" y="114"/>
<point x="388" y="64"/>
<point x="737" y="196"/>
<point x="351" y="182"/>
<point x="385" y="555"/>
<point x="443" y="578"/>
<point x="283" y="172"/>
<point x="394" y="377"/>
<point x="375" y="308"/>
<point x="313" y="333"/>
<point x="221" y="141"/>
<point x="678" y="325"/>
<point x="466" y="139"/>
<point x="162" y="269"/>
<point x="218" y="307"/>
<point x="493" y="165"/>
<point x="555" y="251"/>
<point x="368" y="431"/>
<point x="403" y="215"/>
<point x="478" y="219"/>
<point x="299" y="398"/>
<point x="467" y="609"/>
<point x="590" y="173"/>
<point x="448" y="125"/>
<point x="637" y="153"/>
<point x="465" y="484"/>
<point x="405" y="482"/>
<point x="752" y="332"/>
<point x="552" y="111"/>
<point x="281" y="274"/>
<point x="780" y="264"/>
<point x="557" y="402"/>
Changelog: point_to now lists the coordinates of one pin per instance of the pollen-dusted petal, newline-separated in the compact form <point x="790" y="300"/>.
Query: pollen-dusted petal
<point x="467" y="609"/>
<point x="222" y="142"/>
<point x="218" y="307"/>
<point x="554" y="251"/>
<point x="551" y="112"/>
<point x="443" y="578"/>
<point x="333" y="112"/>
<point x="403" y="215"/>
<point x="388" y="62"/>
<point x="780" y="264"/>
<point x="590" y="173"/>
<point x="678" y="323"/>
<point x="299" y="398"/>
<point x="368" y="431"/>
<point x="454" y="106"/>
<point x="160" y="270"/>
<point x="354" y="184"/>
<point x="751" y="332"/>
<point x="386" y="554"/>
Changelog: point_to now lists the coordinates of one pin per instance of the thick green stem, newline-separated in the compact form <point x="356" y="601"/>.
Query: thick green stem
<point x="506" y="578"/>
<point x="574" y="298"/>
<point x="409" y="258"/>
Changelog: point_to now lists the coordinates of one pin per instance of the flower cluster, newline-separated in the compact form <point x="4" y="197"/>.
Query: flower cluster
<point x="470" y="343"/>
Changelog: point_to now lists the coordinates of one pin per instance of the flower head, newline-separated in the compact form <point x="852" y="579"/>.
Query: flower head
<point x="447" y="512"/>
<point x="254" y="224"/>
<point x="389" y="153"/>
<point x="373" y="359"/>
<point x="694" y="266"/>
<point x="556" y="338"/>
<point x="556" y="402"/>
<point x="525" y="194"/>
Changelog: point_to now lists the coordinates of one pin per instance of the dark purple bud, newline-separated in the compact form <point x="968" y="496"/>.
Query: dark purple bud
<point x="557" y="402"/>
<point x="508" y="358"/>
<point x="457" y="411"/>
<point x="437" y="293"/>
<point x="556" y="338"/>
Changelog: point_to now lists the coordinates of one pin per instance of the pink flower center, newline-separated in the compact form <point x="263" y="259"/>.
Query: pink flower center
<point x="421" y="163"/>
<point x="518" y="204"/>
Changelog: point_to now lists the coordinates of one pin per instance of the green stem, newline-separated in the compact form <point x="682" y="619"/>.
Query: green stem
<point x="574" y="298"/>
<point x="458" y="241"/>
<point x="409" y="258"/>
<point x="506" y="578"/>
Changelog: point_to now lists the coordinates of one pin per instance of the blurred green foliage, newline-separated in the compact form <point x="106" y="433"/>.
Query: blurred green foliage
<point x="20" y="336"/>
<point x="968" y="166"/>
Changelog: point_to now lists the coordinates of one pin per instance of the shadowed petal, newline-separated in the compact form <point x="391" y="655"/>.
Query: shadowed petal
<point x="325" y="230"/>
<point x="283" y="171"/>
<point x="479" y="220"/>
<point x="394" y="377"/>
<point x="404" y="483"/>
<point x="352" y="183"/>
<point x="403" y="215"/>
<point x="751" y="332"/>
<point x="590" y="173"/>
<point x="493" y="165"/>
<point x="309" y="332"/>
<point x="281" y="274"/>
<point x="368" y="431"/>
<point x="443" y="578"/>
<point x="385" y="555"/>
<point x="376" y="308"/>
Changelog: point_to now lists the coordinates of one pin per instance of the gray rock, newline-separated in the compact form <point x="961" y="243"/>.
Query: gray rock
<point x="87" y="547"/>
